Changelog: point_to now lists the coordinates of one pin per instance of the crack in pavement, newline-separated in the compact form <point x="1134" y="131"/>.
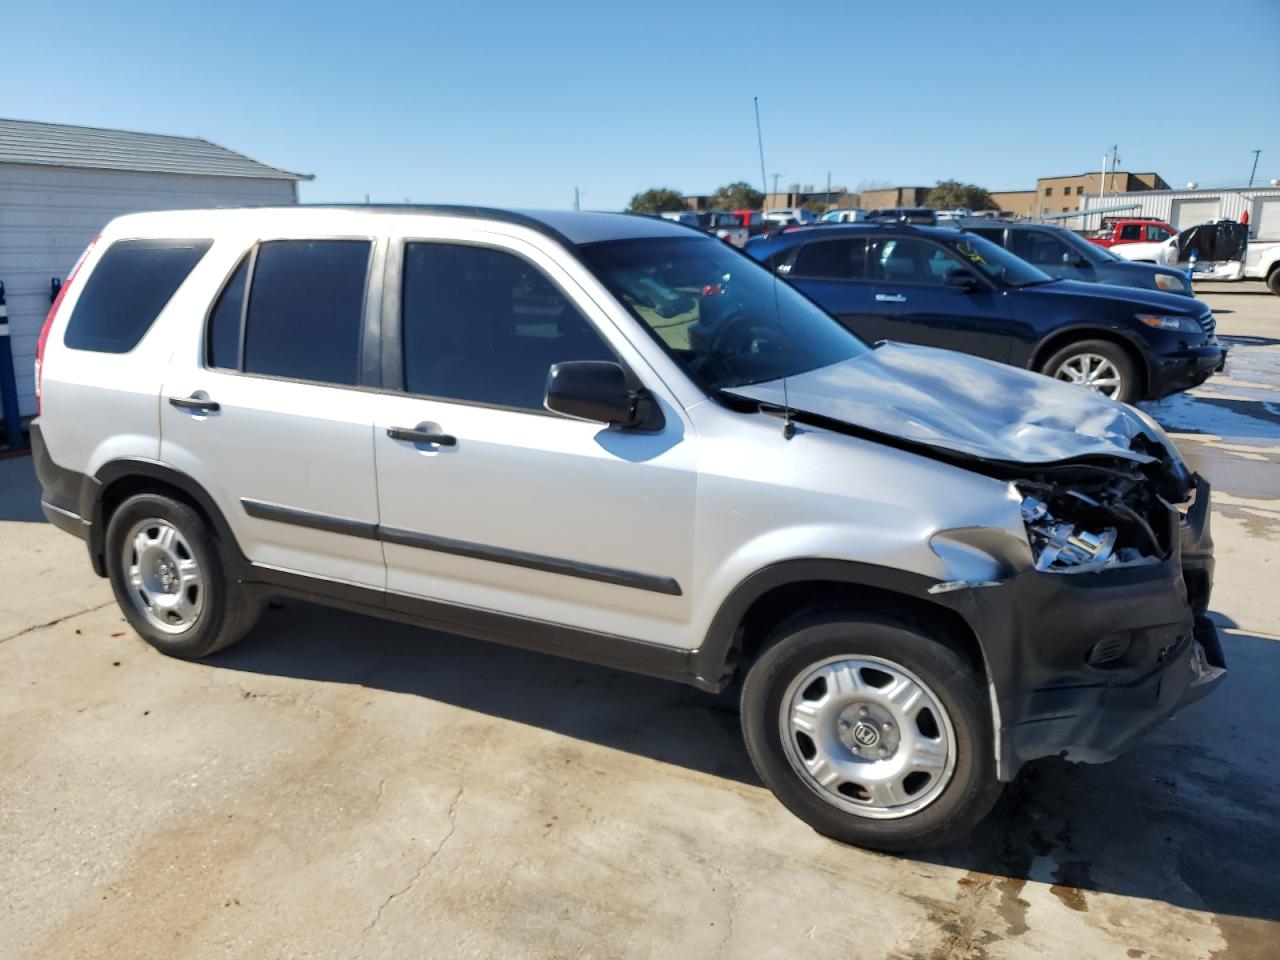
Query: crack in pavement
<point x="417" y="876"/>
<point x="54" y="622"/>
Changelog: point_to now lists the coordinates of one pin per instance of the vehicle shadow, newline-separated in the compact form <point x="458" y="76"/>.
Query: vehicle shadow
<point x="19" y="490"/>
<point x="658" y="719"/>
<point x="1246" y="340"/>
<point x="1186" y="819"/>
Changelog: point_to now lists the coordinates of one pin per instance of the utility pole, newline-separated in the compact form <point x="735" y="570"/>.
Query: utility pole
<point x="828" y="188"/>
<point x="1102" y="189"/>
<point x="764" y="181"/>
<point x="1115" y="165"/>
<point x="577" y="199"/>
<point x="1254" y="172"/>
<point x="775" y="183"/>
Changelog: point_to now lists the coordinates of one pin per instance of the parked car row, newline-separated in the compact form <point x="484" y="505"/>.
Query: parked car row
<point x="955" y="288"/>
<point x="722" y="224"/>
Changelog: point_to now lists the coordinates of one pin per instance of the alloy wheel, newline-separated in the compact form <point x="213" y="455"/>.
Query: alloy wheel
<point x="165" y="581"/>
<point x="1091" y="370"/>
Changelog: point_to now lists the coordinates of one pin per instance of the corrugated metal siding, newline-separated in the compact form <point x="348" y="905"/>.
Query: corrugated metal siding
<point x="1159" y="204"/>
<point x="60" y="145"/>
<point x="48" y="215"/>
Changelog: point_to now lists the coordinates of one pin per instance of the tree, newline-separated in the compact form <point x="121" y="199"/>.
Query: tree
<point x="739" y="195"/>
<point x="657" y="200"/>
<point x="951" y="194"/>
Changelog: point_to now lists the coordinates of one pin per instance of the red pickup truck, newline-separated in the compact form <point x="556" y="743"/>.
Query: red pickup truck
<point x="1134" y="230"/>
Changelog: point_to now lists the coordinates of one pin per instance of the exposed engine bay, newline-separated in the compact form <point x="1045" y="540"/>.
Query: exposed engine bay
<point x="1083" y="518"/>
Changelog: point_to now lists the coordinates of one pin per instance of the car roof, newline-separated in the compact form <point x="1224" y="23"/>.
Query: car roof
<point x="569" y="227"/>
<point x="865" y="228"/>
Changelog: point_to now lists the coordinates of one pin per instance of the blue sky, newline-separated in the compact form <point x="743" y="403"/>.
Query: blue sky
<point x="516" y="103"/>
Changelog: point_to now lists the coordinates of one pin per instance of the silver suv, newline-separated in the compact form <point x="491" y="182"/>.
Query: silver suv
<point x="610" y="438"/>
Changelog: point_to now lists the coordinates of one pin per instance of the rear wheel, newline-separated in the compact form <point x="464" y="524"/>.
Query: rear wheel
<point x="1273" y="280"/>
<point x="167" y="575"/>
<point x="1100" y="365"/>
<point x="872" y="732"/>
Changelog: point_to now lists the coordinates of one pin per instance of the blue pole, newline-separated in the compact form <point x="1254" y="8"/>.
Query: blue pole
<point x="8" y="380"/>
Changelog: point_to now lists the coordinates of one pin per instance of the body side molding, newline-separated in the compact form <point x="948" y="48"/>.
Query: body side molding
<point x="653" y="583"/>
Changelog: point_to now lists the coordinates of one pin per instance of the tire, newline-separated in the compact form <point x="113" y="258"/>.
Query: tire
<point x="163" y="558"/>
<point x="1085" y="356"/>
<point x="1273" y="280"/>
<point x="953" y="715"/>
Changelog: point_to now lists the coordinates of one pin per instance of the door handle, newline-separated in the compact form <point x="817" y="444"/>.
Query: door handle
<point x="196" y="404"/>
<point x="891" y="298"/>
<point x="421" y="436"/>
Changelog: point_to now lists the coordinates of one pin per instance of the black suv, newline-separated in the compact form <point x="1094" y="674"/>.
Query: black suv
<point x="944" y="287"/>
<point x="1068" y="256"/>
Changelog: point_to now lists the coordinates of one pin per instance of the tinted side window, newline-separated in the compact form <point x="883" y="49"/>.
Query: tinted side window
<point x="906" y="260"/>
<point x="1036" y="247"/>
<point x="306" y="310"/>
<point x="1159" y="234"/>
<point x="1131" y="231"/>
<point x="832" y="260"/>
<point x="994" y="234"/>
<point x="485" y="326"/>
<point x="127" y="290"/>
<point x="223" y="345"/>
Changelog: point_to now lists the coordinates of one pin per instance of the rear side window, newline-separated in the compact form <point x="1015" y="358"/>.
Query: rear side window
<point x="831" y="260"/>
<point x="306" y="310"/>
<point x="223" y="348"/>
<point x="1131" y="231"/>
<point x="994" y="234"/>
<point x="127" y="290"/>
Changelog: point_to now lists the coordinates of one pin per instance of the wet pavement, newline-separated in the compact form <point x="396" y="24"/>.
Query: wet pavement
<point x="338" y="787"/>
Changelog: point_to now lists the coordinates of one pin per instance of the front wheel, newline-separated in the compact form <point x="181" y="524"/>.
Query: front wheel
<point x="872" y="732"/>
<point x="1097" y="364"/>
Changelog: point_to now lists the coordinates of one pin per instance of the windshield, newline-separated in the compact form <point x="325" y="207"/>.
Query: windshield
<point x="723" y="317"/>
<point x="998" y="263"/>
<point x="1090" y="251"/>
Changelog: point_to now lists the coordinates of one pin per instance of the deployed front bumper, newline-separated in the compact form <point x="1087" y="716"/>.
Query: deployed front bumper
<point x="1084" y="664"/>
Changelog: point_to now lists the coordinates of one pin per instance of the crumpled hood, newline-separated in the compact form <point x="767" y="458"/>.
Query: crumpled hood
<point x="963" y="404"/>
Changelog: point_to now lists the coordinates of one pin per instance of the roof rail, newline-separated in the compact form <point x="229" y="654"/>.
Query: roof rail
<point x="455" y="210"/>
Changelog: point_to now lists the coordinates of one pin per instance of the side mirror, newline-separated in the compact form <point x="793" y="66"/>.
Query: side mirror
<point x="597" y="390"/>
<point x="960" y="279"/>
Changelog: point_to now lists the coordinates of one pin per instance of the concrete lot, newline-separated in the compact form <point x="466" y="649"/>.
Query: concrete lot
<point x="336" y="786"/>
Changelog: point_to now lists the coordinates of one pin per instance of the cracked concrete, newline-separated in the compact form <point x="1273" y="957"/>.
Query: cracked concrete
<point x="338" y="787"/>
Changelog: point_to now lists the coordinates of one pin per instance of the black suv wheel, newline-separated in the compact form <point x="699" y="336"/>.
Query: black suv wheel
<point x="168" y="578"/>
<point x="1097" y="364"/>
<point x="871" y="732"/>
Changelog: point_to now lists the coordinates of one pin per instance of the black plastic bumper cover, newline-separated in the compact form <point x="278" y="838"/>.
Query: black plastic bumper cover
<point x="1042" y="635"/>
<point x="60" y="489"/>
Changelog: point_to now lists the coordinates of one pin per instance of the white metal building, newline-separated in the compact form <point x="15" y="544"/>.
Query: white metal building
<point x="1186" y="208"/>
<point x="60" y="184"/>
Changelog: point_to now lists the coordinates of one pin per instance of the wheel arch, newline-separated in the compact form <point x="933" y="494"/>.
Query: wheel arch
<point x="773" y="594"/>
<point x="1060" y="338"/>
<point x="117" y="480"/>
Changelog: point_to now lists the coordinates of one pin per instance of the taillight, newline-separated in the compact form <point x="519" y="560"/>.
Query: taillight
<point x="48" y="322"/>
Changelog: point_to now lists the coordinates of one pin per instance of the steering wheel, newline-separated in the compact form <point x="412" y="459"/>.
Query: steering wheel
<point x="736" y="323"/>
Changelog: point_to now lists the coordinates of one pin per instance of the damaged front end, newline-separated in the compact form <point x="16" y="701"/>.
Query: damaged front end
<point x="1106" y="633"/>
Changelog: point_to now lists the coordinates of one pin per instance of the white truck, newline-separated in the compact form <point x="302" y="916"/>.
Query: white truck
<point x="1261" y="262"/>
